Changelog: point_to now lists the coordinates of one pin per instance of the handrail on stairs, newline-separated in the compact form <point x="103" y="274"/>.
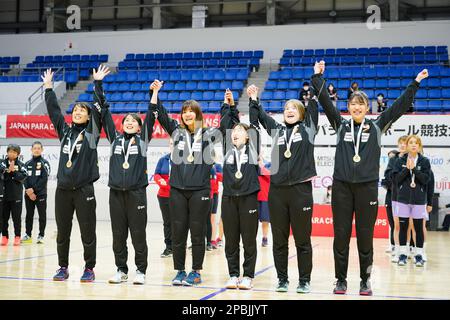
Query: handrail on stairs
<point x="39" y="92"/>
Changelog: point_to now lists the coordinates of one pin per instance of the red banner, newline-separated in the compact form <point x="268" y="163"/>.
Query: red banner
<point x="322" y="222"/>
<point x="40" y="127"/>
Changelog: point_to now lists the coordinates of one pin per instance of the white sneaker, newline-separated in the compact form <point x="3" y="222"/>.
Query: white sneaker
<point x="140" y="278"/>
<point x="232" y="283"/>
<point x="394" y="258"/>
<point x="424" y="257"/>
<point x="40" y="240"/>
<point x="246" y="283"/>
<point x="119" y="277"/>
<point x="388" y="249"/>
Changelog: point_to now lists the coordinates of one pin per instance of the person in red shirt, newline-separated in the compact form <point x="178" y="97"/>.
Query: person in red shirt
<point x="161" y="177"/>
<point x="263" y="198"/>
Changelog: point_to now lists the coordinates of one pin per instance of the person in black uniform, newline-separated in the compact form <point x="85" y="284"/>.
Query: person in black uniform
<point x="192" y="157"/>
<point x="14" y="173"/>
<point x="128" y="180"/>
<point x="412" y="174"/>
<point x="240" y="191"/>
<point x="36" y="192"/>
<point x="391" y="196"/>
<point x="77" y="171"/>
<point x="290" y="195"/>
<point x="2" y="195"/>
<point x="356" y="170"/>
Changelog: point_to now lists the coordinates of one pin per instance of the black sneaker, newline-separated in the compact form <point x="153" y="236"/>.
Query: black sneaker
<point x="282" y="286"/>
<point x="364" y="288"/>
<point x="341" y="287"/>
<point x="209" y="247"/>
<point x="442" y="229"/>
<point x="167" y="253"/>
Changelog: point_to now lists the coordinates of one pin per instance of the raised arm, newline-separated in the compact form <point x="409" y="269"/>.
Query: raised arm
<point x="401" y="104"/>
<point x="319" y="85"/>
<point x="169" y="124"/>
<point x="150" y="117"/>
<point x="53" y="109"/>
<point x="94" y="127"/>
<point x="266" y="121"/>
<point x="229" y="115"/>
<point x="100" y="101"/>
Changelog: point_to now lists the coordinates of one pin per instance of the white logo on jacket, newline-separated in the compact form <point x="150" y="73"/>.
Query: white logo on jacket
<point x="372" y="203"/>
<point x="252" y="211"/>
<point x="140" y="207"/>
<point x="306" y="208"/>
<point x="205" y="198"/>
<point x="90" y="198"/>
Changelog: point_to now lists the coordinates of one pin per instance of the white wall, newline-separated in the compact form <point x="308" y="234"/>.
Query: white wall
<point x="14" y="96"/>
<point x="270" y="39"/>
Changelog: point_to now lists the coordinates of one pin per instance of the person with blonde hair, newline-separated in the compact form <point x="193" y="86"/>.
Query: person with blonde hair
<point x="411" y="174"/>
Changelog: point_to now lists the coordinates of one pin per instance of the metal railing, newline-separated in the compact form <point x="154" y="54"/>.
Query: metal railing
<point x="38" y="94"/>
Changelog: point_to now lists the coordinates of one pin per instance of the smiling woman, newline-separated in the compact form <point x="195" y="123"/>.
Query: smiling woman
<point x="357" y="163"/>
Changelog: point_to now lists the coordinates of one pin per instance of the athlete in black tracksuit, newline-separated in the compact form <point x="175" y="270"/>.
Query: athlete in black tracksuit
<point x="12" y="202"/>
<point x="2" y="194"/>
<point x="290" y="193"/>
<point x="38" y="171"/>
<point x="390" y="187"/>
<point x="190" y="193"/>
<point x="75" y="189"/>
<point x="239" y="199"/>
<point x="414" y="197"/>
<point x="127" y="196"/>
<point x="355" y="185"/>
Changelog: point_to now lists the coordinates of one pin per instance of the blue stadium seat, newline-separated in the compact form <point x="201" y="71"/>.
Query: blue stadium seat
<point x="291" y="94"/>
<point x="445" y="82"/>
<point x="186" y="95"/>
<point x="124" y="86"/>
<point x="271" y="85"/>
<point x="295" y="84"/>
<point x="279" y="95"/>
<point x="191" y="85"/>
<point x="208" y="95"/>
<point x="393" y="94"/>
<point x="381" y="83"/>
<point x="267" y="95"/>
<point x="394" y="83"/>
<point x="173" y="96"/>
<point x="435" y="105"/>
<point x="421" y="105"/>
<point x="197" y="95"/>
<point x="180" y="86"/>
<point x="225" y="85"/>
<point x="445" y="93"/>
<point x="283" y="85"/>
<point x="434" y="94"/>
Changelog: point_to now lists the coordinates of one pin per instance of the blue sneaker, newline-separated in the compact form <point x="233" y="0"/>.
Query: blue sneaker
<point x="61" y="274"/>
<point x="179" y="278"/>
<point x="88" y="275"/>
<point x="192" y="279"/>
<point x="402" y="260"/>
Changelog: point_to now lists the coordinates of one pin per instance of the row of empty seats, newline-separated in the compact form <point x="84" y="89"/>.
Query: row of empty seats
<point x="258" y="54"/>
<point x="7" y="62"/>
<point x="185" y="75"/>
<point x="382" y="71"/>
<point x="163" y="96"/>
<point x="172" y="86"/>
<point x="373" y="51"/>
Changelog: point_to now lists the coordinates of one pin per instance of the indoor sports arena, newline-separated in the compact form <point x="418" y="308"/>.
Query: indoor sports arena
<point x="224" y="150"/>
